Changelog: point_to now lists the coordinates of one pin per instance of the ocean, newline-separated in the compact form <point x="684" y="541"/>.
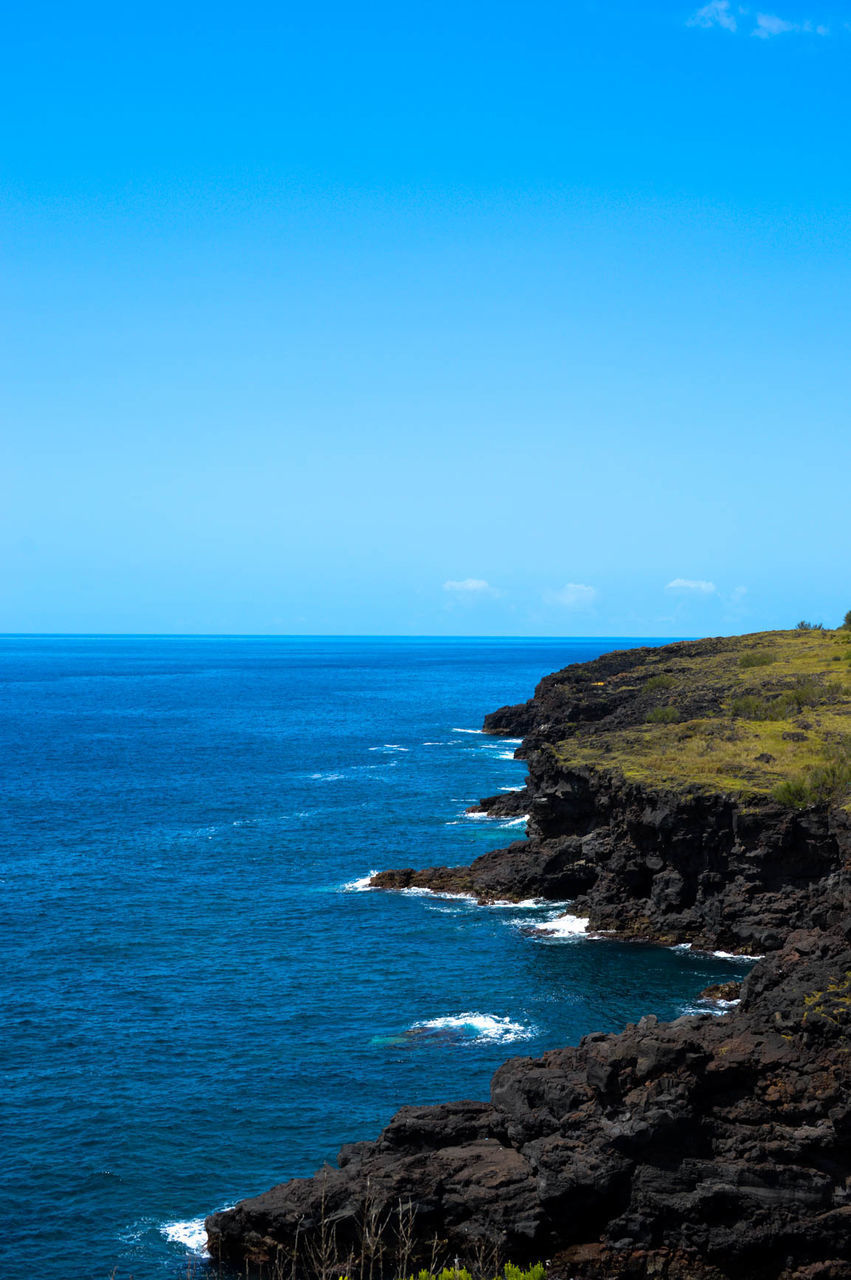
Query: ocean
<point x="199" y="999"/>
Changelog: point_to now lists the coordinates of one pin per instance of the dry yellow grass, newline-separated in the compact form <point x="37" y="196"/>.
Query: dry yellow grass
<point x="727" y="750"/>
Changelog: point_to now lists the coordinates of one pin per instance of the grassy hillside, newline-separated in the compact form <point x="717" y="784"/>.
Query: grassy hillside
<point x="761" y="715"/>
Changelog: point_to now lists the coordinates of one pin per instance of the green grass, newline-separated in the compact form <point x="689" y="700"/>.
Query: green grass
<point x="663" y="715"/>
<point x="805" y="691"/>
<point x="827" y="783"/>
<point x="756" y="658"/>
<point x="760" y="717"/>
<point x="509" y="1272"/>
<point x="658" y="684"/>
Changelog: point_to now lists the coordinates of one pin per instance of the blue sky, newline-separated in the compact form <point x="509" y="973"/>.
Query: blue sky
<point x="434" y="318"/>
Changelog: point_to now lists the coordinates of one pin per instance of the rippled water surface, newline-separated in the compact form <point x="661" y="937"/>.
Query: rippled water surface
<point x="195" y="1005"/>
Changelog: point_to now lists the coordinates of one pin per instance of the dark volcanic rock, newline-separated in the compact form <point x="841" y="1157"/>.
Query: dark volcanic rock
<point x="525" y="869"/>
<point x="507" y="804"/>
<point x="722" y="991"/>
<point x="660" y="865"/>
<point x="720" y="1144"/>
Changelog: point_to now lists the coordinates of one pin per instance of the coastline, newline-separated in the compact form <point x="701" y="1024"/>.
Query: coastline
<point x="674" y="1149"/>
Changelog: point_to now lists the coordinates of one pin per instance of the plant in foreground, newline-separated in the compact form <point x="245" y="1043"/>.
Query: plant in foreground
<point x="826" y="782"/>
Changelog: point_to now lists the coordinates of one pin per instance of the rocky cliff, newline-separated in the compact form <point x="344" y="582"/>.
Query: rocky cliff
<point x="694" y="793"/>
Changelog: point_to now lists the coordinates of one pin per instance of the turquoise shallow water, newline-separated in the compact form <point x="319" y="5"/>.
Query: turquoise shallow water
<point x="195" y="1007"/>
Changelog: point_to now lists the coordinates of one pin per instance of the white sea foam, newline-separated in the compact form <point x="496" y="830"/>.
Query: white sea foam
<point x="190" y="1234"/>
<point x="326" y="777"/>
<point x="389" y="746"/>
<point x="511" y="788"/>
<point x="415" y="892"/>
<point x="478" y="815"/>
<point x="480" y="731"/>
<point x="718" y="955"/>
<point x="708" y="1005"/>
<point x="360" y="886"/>
<point x="506" y="755"/>
<point x="527" y="904"/>
<point x="566" y="926"/>
<point x="709" y="1009"/>
<point x="479" y="1026"/>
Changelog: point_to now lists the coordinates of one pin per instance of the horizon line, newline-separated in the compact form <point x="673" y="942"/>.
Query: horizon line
<point x="312" y="635"/>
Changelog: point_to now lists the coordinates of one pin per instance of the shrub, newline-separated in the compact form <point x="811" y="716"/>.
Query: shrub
<point x="510" y="1272"/>
<point x="846" y="625"/>
<point x="810" y="626"/>
<point x="821" y="784"/>
<point x="756" y="658"/>
<point x="794" y="794"/>
<point x="659" y="683"/>
<point x="805" y="692"/>
<point x="537" y="1272"/>
<point x="753" y="707"/>
<point x="827" y="782"/>
<point x="662" y="715"/>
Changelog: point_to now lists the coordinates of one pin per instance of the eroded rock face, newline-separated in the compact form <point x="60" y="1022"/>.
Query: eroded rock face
<point x="720" y="1144"/>
<point x="663" y="866"/>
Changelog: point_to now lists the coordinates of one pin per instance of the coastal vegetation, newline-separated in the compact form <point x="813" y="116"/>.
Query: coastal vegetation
<point x="383" y="1247"/>
<point x="763" y="717"/>
<point x="537" y="1271"/>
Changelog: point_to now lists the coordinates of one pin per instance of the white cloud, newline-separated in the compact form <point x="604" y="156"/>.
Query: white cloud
<point x="768" y="25"/>
<point x="722" y="13"/>
<point x="471" y="586"/>
<point x="738" y="594"/>
<point x="573" y="595"/>
<point x="715" y="14"/>
<point x="692" y="584"/>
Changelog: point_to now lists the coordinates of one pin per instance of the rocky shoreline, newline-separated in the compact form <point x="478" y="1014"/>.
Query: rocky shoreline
<point x="713" y="1148"/>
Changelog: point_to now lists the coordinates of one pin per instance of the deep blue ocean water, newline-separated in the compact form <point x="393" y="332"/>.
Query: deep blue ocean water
<point x="194" y="1006"/>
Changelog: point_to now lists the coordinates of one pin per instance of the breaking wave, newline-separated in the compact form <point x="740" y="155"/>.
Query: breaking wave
<point x="360" y="886"/>
<point x="566" y="926"/>
<point x="189" y="1233"/>
<point x="472" y="1026"/>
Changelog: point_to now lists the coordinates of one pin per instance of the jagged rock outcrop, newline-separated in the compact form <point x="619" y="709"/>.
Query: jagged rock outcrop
<point x="506" y="804"/>
<point x="710" y="1146"/>
<point x="660" y="865"/>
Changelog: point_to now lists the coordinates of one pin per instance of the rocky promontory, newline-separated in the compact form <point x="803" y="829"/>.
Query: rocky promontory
<point x="695" y="793"/>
